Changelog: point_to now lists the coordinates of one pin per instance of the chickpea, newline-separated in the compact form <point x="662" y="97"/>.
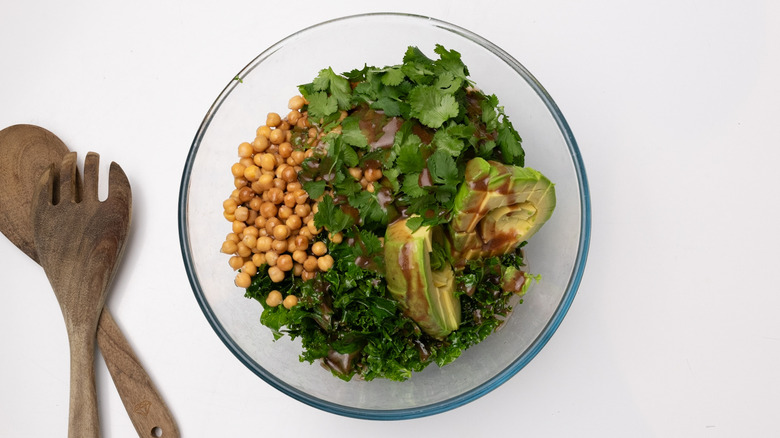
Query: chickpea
<point x="268" y="210"/>
<point x="264" y="243"/>
<point x="271" y="257"/>
<point x="243" y="280"/>
<point x="285" y="150"/>
<point x="285" y="212"/>
<point x="312" y="228"/>
<point x="252" y="173"/>
<point x="238" y="226"/>
<point x="240" y="182"/>
<point x="280" y="246"/>
<point x="278" y="136"/>
<point x="233" y="237"/>
<point x="356" y="173"/>
<point x="300" y="256"/>
<point x="285" y="262"/>
<point x="245" y="150"/>
<point x="260" y="223"/>
<point x="243" y="250"/>
<point x="297" y="269"/>
<point x="273" y="120"/>
<point x="293" y="222"/>
<point x="276" y="195"/>
<point x="293" y="117"/>
<point x="274" y="298"/>
<point x="307" y="275"/>
<point x="294" y="186"/>
<point x="284" y="125"/>
<point x="229" y="216"/>
<point x="236" y="262"/>
<point x="265" y="181"/>
<point x="325" y="262"/>
<point x="229" y="205"/>
<point x="302" y="210"/>
<point x="373" y="174"/>
<point x="370" y="188"/>
<point x="319" y="248"/>
<point x="249" y="268"/>
<point x="242" y="213"/>
<point x="250" y="241"/>
<point x="290" y="301"/>
<point x="336" y="238"/>
<point x="310" y="264"/>
<point x="263" y="131"/>
<point x="275" y="274"/>
<point x="267" y="161"/>
<point x="246" y="194"/>
<point x="298" y="156"/>
<point x="289" y="174"/>
<point x="281" y="232"/>
<point x="289" y="199"/>
<point x="280" y="184"/>
<point x="237" y="170"/>
<point x="301" y="242"/>
<point x="260" y="144"/>
<point x="280" y="169"/>
<point x="258" y="259"/>
<point x="295" y="103"/>
<point x="301" y="196"/>
<point x="255" y="203"/>
<point x="291" y="247"/>
<point x="271" y="224"/>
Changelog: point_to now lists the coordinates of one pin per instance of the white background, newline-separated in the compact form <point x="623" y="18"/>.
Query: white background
<point x="674" y="104"/>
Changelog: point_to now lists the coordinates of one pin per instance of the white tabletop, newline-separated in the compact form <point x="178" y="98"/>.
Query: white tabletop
<point x="674" y="104"/>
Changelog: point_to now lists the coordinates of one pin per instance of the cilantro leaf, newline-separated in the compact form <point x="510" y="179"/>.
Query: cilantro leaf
<point x="337" y="85"/>
<point x="321" y="105"/>
<point x="331" y="216"/>
<point x="411" y="185"/>
<point x="393" y="76"/>
<point x="409" y="158"/>
<point x="432" y="106"/>
<point x="315" y="189"/>
<point x="510" y="142"/>
<point x="351" y="133"/>
<point x="443" y="168"/>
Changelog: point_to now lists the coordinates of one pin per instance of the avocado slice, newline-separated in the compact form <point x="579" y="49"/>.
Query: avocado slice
<point x="426" y="296"/>
<point x="497" y="207"/>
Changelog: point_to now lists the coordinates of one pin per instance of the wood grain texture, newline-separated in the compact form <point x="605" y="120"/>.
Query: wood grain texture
<point x="79" y="241"/>
<point x="146" y="408"/>
<point x="26" y="151"/>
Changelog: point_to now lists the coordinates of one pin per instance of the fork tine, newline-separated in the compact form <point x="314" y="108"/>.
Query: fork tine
<point x="46" y="192"/>
<point x="118" y="184"/>
<point x="91" y="170"/>
<point x="69" y="179"/>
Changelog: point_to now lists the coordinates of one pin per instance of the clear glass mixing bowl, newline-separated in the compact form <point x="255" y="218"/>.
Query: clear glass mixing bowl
<point x="557" y="252"/>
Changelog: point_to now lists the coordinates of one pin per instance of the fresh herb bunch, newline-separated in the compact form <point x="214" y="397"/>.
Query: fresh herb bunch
<point x="446" y="122"/>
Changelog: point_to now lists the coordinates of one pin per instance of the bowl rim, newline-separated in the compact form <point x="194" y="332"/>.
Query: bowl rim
<point x="458" y="400"/>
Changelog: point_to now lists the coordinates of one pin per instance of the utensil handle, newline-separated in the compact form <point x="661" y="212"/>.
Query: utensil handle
<point x="147" y="410"/>
<point x="83" y="419"/>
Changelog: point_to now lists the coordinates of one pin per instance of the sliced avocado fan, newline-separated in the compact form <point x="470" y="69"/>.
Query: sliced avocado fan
<point x="497" y="207"/>
<point x="426" y="296"/>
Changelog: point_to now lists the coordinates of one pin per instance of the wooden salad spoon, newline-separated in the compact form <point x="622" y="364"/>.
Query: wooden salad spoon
<point x="26" y="151"/>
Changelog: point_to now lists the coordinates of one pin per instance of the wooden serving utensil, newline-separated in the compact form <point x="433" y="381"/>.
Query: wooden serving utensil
<point x="26" y="151"/>
<point x="79" y="241"/>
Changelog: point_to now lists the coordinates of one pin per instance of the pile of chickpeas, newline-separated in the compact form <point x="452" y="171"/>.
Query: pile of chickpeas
<point x="272" y="216"/>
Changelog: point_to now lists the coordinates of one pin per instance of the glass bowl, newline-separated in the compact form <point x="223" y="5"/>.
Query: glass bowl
<point x="557" y="252"/>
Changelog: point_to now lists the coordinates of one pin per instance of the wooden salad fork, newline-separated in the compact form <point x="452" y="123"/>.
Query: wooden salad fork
<point x="79" y="241"/>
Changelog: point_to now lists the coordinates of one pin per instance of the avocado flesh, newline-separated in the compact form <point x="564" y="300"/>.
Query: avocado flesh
<point x="498" y="207"/>
<point x="426" y="296"/>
